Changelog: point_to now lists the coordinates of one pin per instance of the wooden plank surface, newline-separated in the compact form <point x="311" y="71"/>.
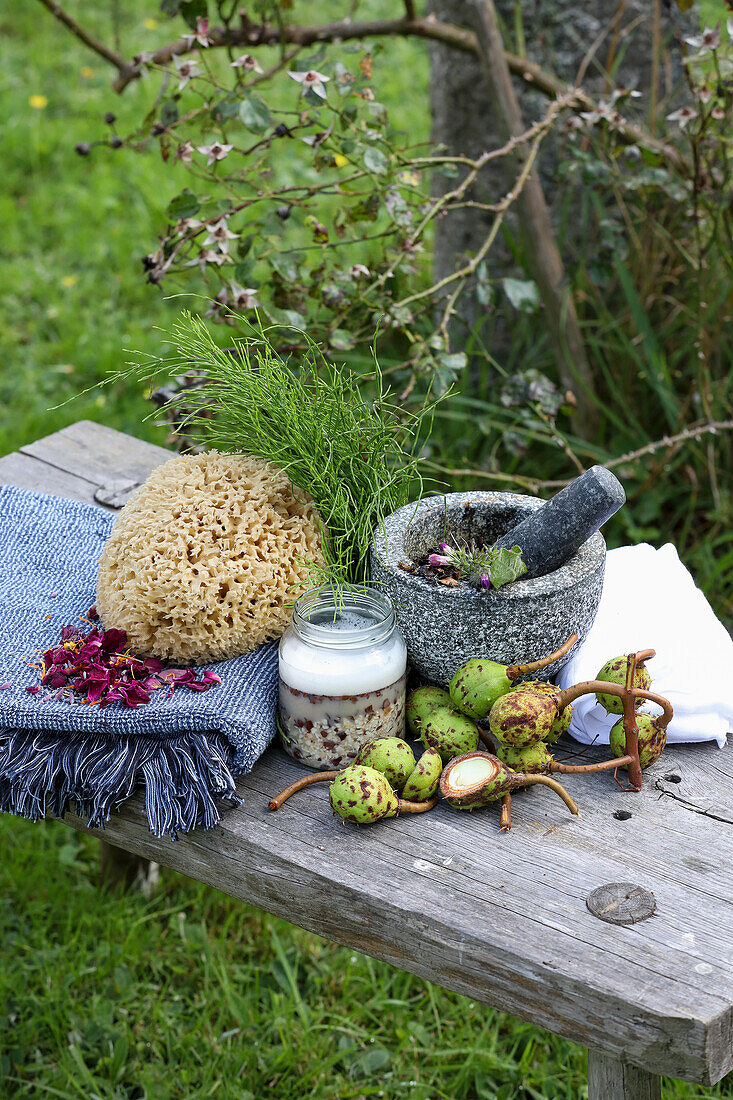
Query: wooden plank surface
<point x="97" y="453"/>
<point x="32" y="473"/>
<point x="499" y="917"/>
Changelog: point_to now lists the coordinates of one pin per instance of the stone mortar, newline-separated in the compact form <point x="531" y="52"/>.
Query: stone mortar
<point x="445" y="626"/>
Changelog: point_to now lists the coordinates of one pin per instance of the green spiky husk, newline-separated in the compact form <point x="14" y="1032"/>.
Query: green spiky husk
<point x="421" y="703"/>
<point x="652" y="739"/>
<point x="562" y="722"/>
<point x="450" y="732"/>
<point x="614" y="672"/>
<point x="391" y="756"/>
<point x="422" y="784"/>
<point x="532" y="759"/>
<point x="362" y="795"/>
<point x="522" y="717"/>
<point x="477" y="685"/>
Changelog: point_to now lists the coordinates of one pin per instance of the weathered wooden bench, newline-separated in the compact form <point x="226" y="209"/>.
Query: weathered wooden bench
<point x="500" y="918"/>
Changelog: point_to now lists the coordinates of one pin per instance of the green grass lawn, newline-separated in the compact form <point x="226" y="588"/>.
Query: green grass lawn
<point x="190" y="994"/>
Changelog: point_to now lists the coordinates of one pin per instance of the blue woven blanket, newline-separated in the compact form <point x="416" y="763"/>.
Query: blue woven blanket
<point x="184" y="748"/>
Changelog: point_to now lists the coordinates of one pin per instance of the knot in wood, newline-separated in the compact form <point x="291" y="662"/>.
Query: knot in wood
<point x="621" y="903"/>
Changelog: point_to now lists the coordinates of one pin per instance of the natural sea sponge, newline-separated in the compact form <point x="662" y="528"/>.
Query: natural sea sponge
<point x="202" y="561"/>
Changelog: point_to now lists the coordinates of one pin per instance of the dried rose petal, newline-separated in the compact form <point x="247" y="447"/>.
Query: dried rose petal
<point x="96" y="690"/>
<point x="135" y="695"/>
<point x="152" y="683"/>
<point x="179" y="675"/>
<point x="54" y="678"/>
<point x="93" y="668"/>
<point x="92" y="613"/>
<point x="114" y="639"/>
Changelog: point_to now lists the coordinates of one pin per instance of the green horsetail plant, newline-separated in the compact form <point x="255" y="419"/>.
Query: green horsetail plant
<point x="356" y="455"/>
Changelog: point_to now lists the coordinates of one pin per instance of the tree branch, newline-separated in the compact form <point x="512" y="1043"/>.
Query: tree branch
<point x="253" y="35"/>
<point x="114" y="58"/>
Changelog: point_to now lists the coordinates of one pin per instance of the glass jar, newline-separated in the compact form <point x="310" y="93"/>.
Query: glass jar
<point x="342" y="675"/>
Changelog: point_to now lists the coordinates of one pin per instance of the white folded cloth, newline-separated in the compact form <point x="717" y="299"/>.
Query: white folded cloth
<point x="650" y="601"/>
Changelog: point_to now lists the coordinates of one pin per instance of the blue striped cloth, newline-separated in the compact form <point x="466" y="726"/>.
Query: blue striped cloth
<point x="184" y="748"/>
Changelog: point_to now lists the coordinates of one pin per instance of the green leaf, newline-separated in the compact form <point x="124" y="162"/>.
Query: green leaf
<point x="244" y="246"/>
<point x="484" y="289"/>
<point x="450" y="366"/>
<point x="169" y="113"/>
<point x="185" y="205"/>
<point x="170" y="7"/>
<point x="506" y="566"/>
<point x="226" y="109"/>
<point x="522" y="293"/>
<point x="243" y="275"/>
<point x="342" y="340"/>
<point x="288" y="317"/>
<point x="255" y="114"/>
<point x="375" y="161"/>
<point x="192" y="10"/>
<point x="122" y="977"/>
<point x="398" y="209"/>
<point x="285" y="264"/>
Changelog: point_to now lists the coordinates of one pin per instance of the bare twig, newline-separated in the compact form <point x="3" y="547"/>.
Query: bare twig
<point x="464" y="272"/>
<point x="533" y="134"/>
<point x="124" y="68"/>
<point x="533" y="485"/>
<point x="669" y="441"/>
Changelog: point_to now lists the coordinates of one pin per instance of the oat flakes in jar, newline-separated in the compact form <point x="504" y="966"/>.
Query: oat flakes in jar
<point x="342" y="675"/>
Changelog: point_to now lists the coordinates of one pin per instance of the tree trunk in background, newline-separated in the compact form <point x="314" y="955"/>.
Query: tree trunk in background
<point x="560" y="37"/>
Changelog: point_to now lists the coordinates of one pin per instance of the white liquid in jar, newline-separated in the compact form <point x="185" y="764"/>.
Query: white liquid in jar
<point x="335" y="697"/>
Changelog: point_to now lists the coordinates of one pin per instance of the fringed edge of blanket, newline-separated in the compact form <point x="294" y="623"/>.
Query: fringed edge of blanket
<point x="47" y="774"/>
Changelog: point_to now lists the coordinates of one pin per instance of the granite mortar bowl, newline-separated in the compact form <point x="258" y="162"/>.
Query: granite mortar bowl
<point x="444" y="626"/>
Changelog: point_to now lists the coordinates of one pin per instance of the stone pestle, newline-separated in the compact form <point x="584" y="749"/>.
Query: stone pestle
<point x="552" y="534"/>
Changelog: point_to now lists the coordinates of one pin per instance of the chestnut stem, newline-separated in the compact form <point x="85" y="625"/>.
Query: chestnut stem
<point x="601" y="766"/>
<point x="630" y="725"/>
<point x="416" y="807"/>
<point x="304" y="781"/>
<point x="505" y="817"/>
<point x="514" y="671"/>
<point x="545" y="781"/>
<point x="644" y="655"/>
<point x="587" y="687"/>
<point x="665" y="718"/>
<point x="487" y="740"/>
